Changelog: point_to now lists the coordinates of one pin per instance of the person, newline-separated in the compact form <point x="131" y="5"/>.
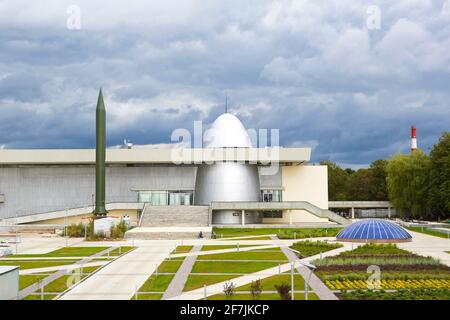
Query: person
<point x="200" y="235"/>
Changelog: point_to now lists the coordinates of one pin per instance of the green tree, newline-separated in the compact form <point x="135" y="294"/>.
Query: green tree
<point x="361" y="186"/>
<point x="379" y="175"/>
<point x="337" y="181"/>
<point x="408" y="180"/>
<point x="439" y="192"/>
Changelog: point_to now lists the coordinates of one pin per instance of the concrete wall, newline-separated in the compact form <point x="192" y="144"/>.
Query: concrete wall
<point x="85" y="217"/>
<point x="31" y="190"/>
<point x="303" y="183"/>
<point x="9" y="283"/>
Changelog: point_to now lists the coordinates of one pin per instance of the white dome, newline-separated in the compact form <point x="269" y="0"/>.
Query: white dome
<point x="227" y="131"/>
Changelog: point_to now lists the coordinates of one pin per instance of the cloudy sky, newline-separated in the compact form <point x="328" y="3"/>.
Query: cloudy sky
<point x="320" y="71"/>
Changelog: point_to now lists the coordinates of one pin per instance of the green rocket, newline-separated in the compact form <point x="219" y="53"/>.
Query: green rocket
<point x="100" y="154"/>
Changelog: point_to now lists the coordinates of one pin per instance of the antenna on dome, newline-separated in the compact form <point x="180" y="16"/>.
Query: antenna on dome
<point x="226" y="104"/>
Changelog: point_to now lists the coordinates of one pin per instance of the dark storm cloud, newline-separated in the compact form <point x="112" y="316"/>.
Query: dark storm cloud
<point x="310" y="68"/>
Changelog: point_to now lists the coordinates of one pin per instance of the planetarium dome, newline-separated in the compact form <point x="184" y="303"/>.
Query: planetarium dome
<point x="227" y="131"/>
<point x="228" y="181"/>
<point x="374" y="230"/>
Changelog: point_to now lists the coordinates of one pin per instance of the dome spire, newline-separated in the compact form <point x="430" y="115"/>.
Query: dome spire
<point x="226" y="103"/>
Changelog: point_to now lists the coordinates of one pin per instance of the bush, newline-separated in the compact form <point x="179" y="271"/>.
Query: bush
<point x="307" y="233"/>
<point x="75" y="230"/>
<point x="118" y="231"/>
<point x="256" y="289"/>
<point x="228" y="289"/>
<point x="283" y="290"/>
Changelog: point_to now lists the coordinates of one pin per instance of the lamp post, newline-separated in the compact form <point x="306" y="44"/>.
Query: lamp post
<point x="308" y="265"/>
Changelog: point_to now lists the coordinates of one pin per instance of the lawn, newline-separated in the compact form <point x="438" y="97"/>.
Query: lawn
<point x="27" y="280"/>
<point x="268" y="284"/>
<point x="263" y="296"/>
<point x="169" y="266"/>
<point x="156" y="283"/>
<point x="283" y="233"/>
<point x="239" y="267"/>
<point x="195" y="281"/>
<point x="272" y="254"/>
<point x="64" y="252"/>
<point x="428" y="231"/>
<point x="151" y="296"/>
<point x="37" y="296"/>
<point x="247" y="239"/>
<point x="63" y="283"/>
<point x="221" y="247"/>
<point x="182" y="249"/>
<point x="118" y="251"/>
<point x="31" y="264"/>
<point x="310" y="248"/>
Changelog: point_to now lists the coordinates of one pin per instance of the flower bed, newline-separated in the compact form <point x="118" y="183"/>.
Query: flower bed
<point x="395" y="284"/>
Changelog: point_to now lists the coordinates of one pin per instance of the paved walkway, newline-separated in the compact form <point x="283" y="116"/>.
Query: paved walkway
<point x="217" y="288"/>
<point x="315" y="283"/>
<point x="37" y="286"/>
<point x="120" y="279"/>
<point x="426" y="245"/>
<point x="179" y="280"/>
<point x="202" y="253"/>
<point x="63" y="267"/>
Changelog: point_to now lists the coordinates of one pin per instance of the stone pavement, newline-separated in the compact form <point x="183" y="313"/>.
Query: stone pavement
<point x="179" y="280"/>
<point x="120" y="279"/>
<point x="246" y="279"/>
<point x="426" y="245"/>
<point x="66" y="267"/>
<point x="37" y="286"/>
<point x="315" y="283"/>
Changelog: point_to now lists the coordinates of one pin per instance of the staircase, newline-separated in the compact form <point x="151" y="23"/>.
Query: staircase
<point x="174" y="216"/>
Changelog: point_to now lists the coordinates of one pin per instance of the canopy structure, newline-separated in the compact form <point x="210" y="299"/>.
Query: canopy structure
<point x="374" y="230"/>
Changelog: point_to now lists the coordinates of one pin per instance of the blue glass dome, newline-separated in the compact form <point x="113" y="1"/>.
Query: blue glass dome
<point x="373" y="230"/>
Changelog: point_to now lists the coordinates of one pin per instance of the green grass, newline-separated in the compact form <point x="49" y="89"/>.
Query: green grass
<point x="219" y="247"/>
<point x="27" y="280"/>
<point x="310" y="248"/>
<point x="270" y="254"/>
<point x="283" y="233"/>
<point x="182" y="249"/>
<point x="152" y="296"/>
<point x="230" y="266"/>
<point x="376" y="260"/>
<point x="268" y="284"/>
<point x="64" y="252"/>
<point x="156" y="283"/>
<point x="38" y="297"/>
<point x="376" y="249"/>
<point x="263" y="296"/>
<point x="31" y="264"/>
<point x="117" y="252"/>
<point x="195" y="281"/>
<point x="169" y="266"/>
<point x="428" y="231"/>
<point x="61" y="284"/>
<point x="247" y="239"/>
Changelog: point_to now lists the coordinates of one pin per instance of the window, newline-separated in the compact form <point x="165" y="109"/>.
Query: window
<point x="164" y="198"/>
<point x="273" y="214"/>
<point x="271" y="195"/>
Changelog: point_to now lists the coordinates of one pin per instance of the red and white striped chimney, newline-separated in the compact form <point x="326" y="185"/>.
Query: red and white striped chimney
<point x="413" y="139"/>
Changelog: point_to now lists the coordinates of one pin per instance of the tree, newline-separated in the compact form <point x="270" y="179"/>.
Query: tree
<point x="228" y="289"/>
<point x="408" y="181"/>
<point x="439" y="191"/>
<point x="256" y="289"/>
<point x="337" y="181"/>
<point x="361" y="186"/>
<point x="379" y="175"/>
<point x="283" y="290"/>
